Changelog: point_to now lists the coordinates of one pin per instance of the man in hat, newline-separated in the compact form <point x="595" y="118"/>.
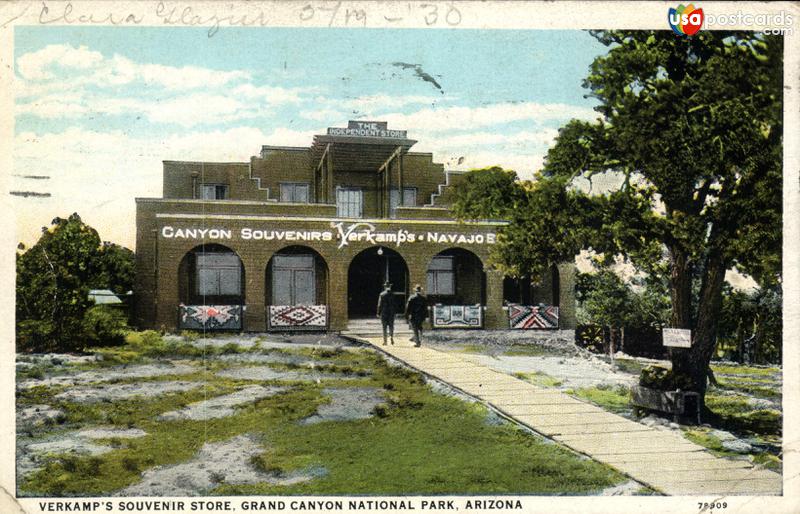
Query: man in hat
<point x="387" y="311"/>
<point x="416" y="312"/>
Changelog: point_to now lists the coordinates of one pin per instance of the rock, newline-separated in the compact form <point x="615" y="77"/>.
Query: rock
<point x="738" y="446"/>
<point x="227" y="461"/>
<point x="722" y="435"/>
<point x="112" y="392"/>
<point x="221" y="406"/>
<point x="38" y="415"/>
<point x="347" y="403"/>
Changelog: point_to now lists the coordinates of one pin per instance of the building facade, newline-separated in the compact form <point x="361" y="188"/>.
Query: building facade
<point x="303" y="238"/>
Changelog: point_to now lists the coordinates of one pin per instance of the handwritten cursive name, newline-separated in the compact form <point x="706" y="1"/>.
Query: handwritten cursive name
<point x="186" y="16"/>
<point x="66" y="15"/>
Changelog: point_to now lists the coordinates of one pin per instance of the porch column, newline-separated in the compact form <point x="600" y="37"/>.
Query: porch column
<point x="495" y="317"/>
<point x="566" y="296"/>
<point x="255" y="266"/>
<point x="337" y="294"/>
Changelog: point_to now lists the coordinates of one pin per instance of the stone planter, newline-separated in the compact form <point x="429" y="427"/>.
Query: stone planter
<point x="681" y="404"/>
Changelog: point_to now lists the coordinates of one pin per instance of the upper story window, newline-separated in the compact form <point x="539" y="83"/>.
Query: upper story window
<point x="409" y="199"/>
<point x="219" y="274"/>
<point x="294" y="192"/>
<point x="441" y="276"/>
<point x="349" y="202"/>
<point x="213" y="191"/>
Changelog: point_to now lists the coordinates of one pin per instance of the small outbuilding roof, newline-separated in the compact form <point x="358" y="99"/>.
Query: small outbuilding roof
<point x="103" y="296"/>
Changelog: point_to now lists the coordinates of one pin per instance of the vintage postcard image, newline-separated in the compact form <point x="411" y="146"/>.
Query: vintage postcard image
<point x="389" y="256"/>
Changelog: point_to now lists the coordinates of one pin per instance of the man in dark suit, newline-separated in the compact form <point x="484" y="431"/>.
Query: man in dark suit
<point x="387" y="311"/>
<point x="416" y="313"/>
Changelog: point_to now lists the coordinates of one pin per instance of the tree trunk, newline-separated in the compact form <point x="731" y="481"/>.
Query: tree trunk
<point x="680" y="287"/>
<point x="694" y="362"/>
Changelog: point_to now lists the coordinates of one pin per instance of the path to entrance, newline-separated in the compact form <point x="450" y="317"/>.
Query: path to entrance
<point x="660" y="459"/>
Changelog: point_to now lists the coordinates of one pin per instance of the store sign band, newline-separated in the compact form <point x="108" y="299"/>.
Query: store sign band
<point x="342" y="234"/>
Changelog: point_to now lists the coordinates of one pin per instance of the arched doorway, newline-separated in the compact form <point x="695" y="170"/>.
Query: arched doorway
<point x="297" y="275"/>
<point x="296" y="290"/>
<point x="211" y="274"/>
<point x="211" y="289"/>
<point x="365" y="278"/>
<point x="455" y="276"/>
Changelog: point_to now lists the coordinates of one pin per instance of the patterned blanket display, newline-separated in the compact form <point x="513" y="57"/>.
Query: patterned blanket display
<point x="457" y="316"/>
<point x="526" y="317"/>
<point x="297" y="317"/>
<point x="210" y="317"/>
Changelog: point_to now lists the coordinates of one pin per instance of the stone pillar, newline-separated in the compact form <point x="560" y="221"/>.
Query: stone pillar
<point x="337" y="294"/>
<point x="255" y="269"/>
<point x="167" y="300"/>
<point x="494" y="316"/>
<point x="566" y="292"/>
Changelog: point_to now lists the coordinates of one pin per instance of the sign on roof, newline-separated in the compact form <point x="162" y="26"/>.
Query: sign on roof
<point x="677" y="337"/>
<point x="367" y="129"/>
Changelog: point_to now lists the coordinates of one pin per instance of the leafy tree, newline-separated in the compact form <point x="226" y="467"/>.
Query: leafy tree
<point x="53" y="281"/>
<point x="115" y="268"/>
<point x="605" y="299"/>
<point x="693" y="127"/>
<point x="751" y="324"/>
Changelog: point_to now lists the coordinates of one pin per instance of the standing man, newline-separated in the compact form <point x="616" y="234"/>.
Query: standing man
<point x="416" y="312"/>
<point x="387" y="311"/>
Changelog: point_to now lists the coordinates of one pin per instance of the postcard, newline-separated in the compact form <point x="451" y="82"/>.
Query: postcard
<point x="321" y="256"/>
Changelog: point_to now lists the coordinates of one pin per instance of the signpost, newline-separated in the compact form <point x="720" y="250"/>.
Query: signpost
<point x="677" y="337"/>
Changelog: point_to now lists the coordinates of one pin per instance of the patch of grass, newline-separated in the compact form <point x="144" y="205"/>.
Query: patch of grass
<point x="728" y="405"/>
<point x="421" y="442"/>
<point x="166" y="443"/>
<point x="540" y="379"/>
<point x="37" y="372"/>
<point x="768" y="461"/>
<point x="702" y="437"/>
<point x="527" y="350"/>
<point x="628" y="365"/>
<point x="770" y="393"/>
<point x="148" y="345"/>
<point x="726" y="369"/>
<point x="612" y="399"/>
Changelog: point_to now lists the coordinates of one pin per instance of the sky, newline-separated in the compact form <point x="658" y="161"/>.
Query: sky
<point x="97" y="109"/>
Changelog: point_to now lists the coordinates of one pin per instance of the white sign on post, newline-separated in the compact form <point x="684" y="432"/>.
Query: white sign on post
<point x="677" y="337"/>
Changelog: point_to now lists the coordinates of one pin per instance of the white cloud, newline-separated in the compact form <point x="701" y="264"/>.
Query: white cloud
<point x="270" y="94"/>
<point x="42" y="64"/>
<point x="329" y="110"/>
<point x="64" y="82"/>
<point x="92" y="68"/>
<point x="459" y="117"/>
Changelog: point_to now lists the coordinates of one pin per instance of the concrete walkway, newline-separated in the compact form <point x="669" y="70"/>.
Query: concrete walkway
<point x="661" y="459"/>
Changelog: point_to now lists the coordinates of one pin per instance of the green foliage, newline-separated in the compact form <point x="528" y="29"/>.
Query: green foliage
<point x="754" y="319"/>
<point x="435" y="443"/>
<point x="613" y="399"/>
<point x="53" y="281"/>
<point x="692" y="127"/>
<point x="489" y="193"/>
<point x="115" y="268"/>
<point x="52" y="285"/>
<point x="663" y="379"/>
<point x="103" y="325"/>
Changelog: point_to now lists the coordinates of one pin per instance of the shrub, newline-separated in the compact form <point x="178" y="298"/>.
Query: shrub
<point x="34" y="335"/>
<point x="663" y="379"/>
<point x="103" y="326"/>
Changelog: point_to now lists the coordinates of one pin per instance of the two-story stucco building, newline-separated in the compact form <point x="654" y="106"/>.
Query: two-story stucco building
<point x="304" y="238"/>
